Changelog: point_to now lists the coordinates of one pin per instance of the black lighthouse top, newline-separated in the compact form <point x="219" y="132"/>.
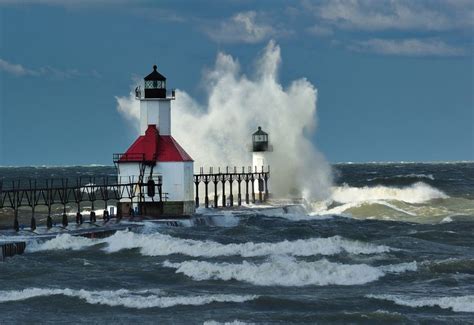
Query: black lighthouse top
<point x="155" y="85"/>
<point x="260" y="140"/>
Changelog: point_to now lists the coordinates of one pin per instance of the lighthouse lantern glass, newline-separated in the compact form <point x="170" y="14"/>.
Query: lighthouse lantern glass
<point x="155" y="84"/>
<point x="260" y="141"/>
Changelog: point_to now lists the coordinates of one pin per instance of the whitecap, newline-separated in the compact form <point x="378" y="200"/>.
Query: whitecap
<point x="62" y="242"/>
<point x="399" y="268"/>
<point x="458" y="304"/>
<point x="158" y="244"/>
<point x="126" y="298"/>
<point x="416" y="193"/>
<point x="447" y="220"/>
<point x="282" y="271"/>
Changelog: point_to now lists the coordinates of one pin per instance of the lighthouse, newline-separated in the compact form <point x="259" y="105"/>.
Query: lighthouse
<point x="261" y="154"/>
<point x="156" y="156"/>
<point x="260" y="149"/>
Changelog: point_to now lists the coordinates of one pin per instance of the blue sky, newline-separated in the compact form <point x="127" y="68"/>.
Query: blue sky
<point x="394" y="78"/>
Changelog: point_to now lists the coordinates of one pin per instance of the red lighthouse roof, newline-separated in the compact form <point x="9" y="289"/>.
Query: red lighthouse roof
<point x="155" y="147"/>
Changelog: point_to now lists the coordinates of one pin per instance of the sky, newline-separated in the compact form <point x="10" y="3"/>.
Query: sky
<point x="394" y="79"/>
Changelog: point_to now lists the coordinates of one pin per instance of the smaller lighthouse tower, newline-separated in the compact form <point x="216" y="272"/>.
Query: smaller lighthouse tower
<point x="261" y="153"/>
<point x="260" y="149"/>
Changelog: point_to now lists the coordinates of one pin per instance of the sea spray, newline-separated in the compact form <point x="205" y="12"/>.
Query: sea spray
<point x="241" y="103"/>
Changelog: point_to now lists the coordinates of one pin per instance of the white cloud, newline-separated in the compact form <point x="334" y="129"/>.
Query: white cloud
<point x="407" y="47"/>
<point x="217" y="133"/>
<point x="396" y="14"/>
<point x="16" y="69"/>
<point x="242" y="27"/>
<point x="19" y="70"/>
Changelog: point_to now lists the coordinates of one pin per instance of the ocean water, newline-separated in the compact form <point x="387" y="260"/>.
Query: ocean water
<point x="394" y="244"/>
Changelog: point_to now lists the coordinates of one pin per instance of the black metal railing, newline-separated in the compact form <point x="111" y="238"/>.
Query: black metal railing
<point x="48" y="192"/>
<point x="251" y="177"/>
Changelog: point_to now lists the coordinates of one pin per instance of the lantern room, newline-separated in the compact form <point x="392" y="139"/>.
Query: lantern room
<point x="259" y="140"/>
<point x="155" y="85"/>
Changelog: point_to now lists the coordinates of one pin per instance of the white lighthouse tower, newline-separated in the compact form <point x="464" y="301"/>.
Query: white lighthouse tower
<point x="260" y="150"/>
<point x="157" y="156"/>
<point x="261" y="154"/>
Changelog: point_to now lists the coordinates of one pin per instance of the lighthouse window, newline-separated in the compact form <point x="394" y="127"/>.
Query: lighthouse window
<point x="148" y="84"/>
<point x="157" y="84"/>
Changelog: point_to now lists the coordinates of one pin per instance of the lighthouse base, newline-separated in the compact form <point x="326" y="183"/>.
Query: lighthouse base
<point x="178" y="208"/>
<point x="156" y="210"/>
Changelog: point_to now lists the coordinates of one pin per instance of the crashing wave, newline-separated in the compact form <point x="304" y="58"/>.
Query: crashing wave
<point x="62" y="242"/>
<point x="398" y="200"/>
<point x="416" y="193"/>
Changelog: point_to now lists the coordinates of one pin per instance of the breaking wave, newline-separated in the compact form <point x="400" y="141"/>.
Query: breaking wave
<point x="415" y="202"/>
<point x="286" y="271"/>
<point x="62" y="242"/>
<point x="416" y="193"/>
<point x="161" y="245"/>
<point x="126" y="298"/>
<point x="458" y="304"/>
<point x="157" y="244"/>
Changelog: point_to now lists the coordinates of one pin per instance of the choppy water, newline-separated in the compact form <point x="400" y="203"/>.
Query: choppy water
<point x="393" y="245"/>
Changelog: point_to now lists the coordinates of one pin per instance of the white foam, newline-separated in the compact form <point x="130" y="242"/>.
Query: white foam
<point x="228" y="219"/>
<point x="447" y="220"/>
<point x="416" y="193"/>
<point x="341" y="210"/>
<point x="458" y="304"/>
<point x="126" y="298"/>
<point x="281" y="271"/>
<point x="157" y="244"/>
<point x="399" y="268"/>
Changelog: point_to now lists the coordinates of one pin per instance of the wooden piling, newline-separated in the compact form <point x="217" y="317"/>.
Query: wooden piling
<point x="9" y="249"/>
